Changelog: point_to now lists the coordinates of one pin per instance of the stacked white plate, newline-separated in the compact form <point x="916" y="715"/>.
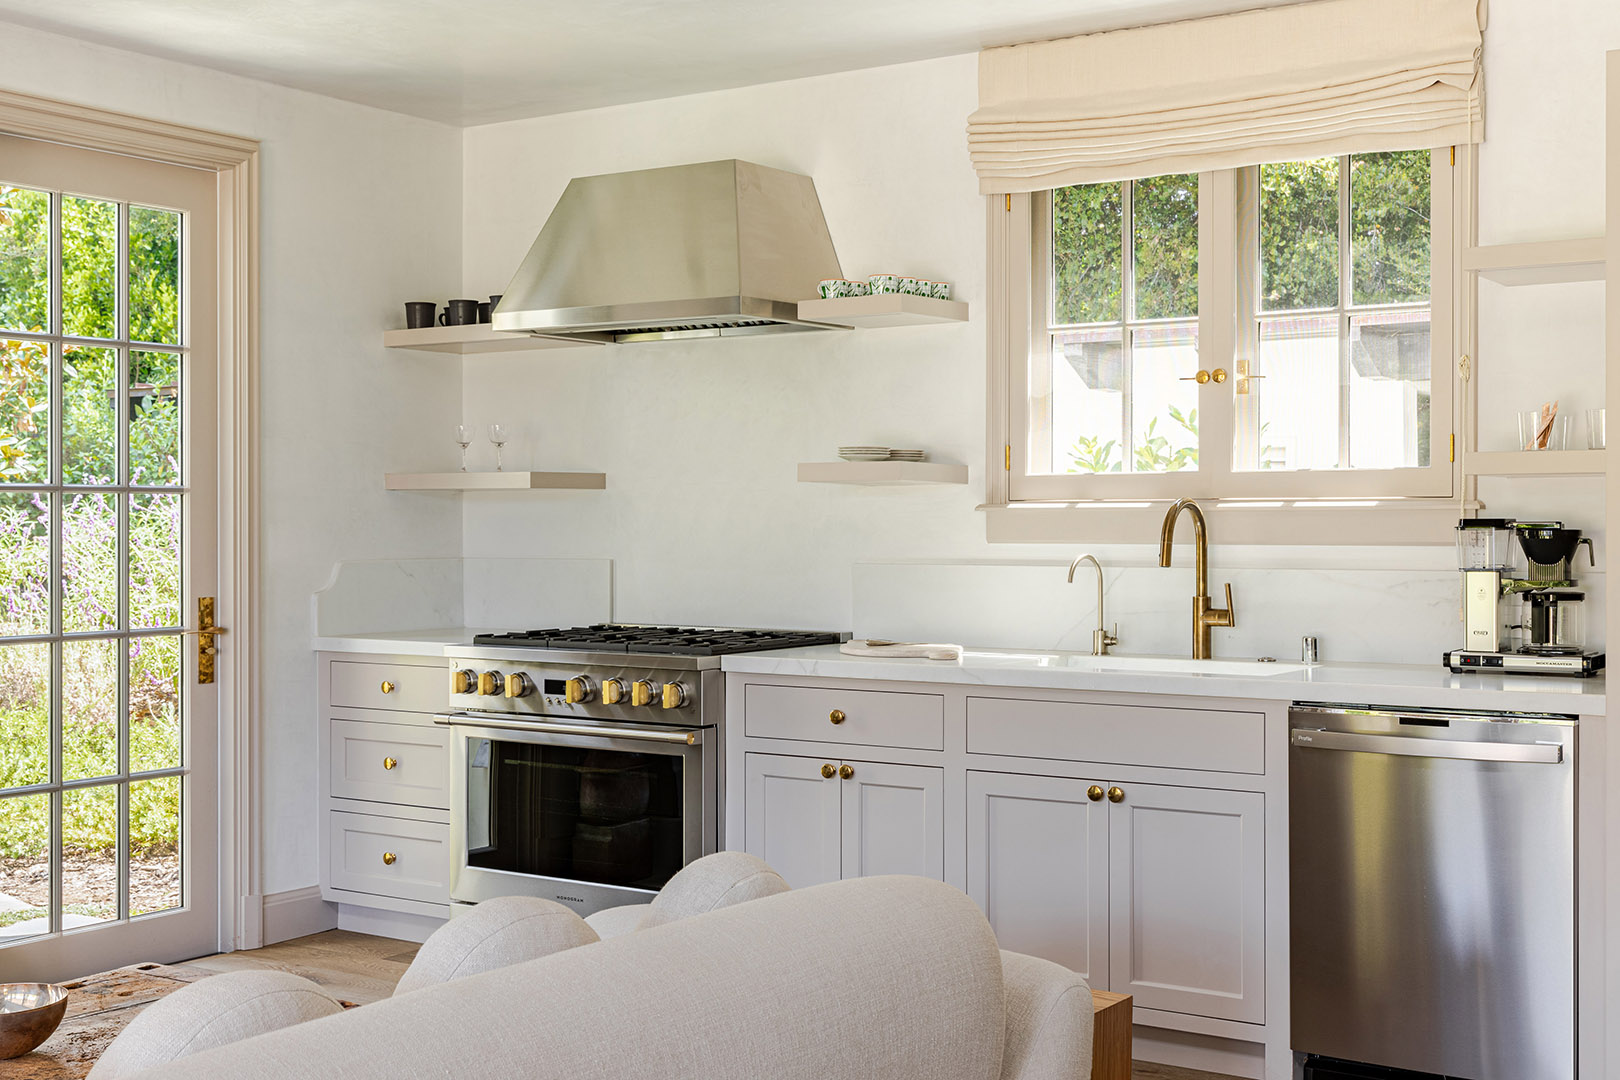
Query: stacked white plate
<point x="864" y="453"/>
<point x="908" y="455"/>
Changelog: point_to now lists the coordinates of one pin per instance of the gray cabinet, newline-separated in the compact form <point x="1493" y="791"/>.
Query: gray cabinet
<point x="794" y="818"/>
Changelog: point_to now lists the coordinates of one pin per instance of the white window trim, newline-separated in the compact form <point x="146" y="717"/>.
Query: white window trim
<point x="1340" y="508"/>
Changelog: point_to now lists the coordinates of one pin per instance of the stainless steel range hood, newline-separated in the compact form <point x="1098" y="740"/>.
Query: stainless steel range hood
<point x="708" y="250"/>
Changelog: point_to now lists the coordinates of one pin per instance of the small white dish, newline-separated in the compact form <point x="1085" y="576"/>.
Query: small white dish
<point x="864" y="455"/>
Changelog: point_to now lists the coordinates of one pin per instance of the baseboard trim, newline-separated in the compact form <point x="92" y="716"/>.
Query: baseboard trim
<point x="392" y="924"/>
<point x="296" y="913"/>
<point x="1187" y="1050"/>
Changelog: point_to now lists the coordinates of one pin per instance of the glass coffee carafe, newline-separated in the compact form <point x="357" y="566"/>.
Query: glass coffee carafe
<point x="1554" y="621"/>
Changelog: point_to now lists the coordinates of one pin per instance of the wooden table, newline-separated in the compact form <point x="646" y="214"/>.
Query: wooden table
<point x="1110" y="1036"/>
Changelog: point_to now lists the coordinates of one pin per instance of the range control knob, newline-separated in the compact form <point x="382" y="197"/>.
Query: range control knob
<point x="463" y="681"/>
<point x="519" y="685"/>
<point x="489" y="683"/>
<point x="612" y="691"/>
<point x="641" y="692"/>
<point x="674" y="695"/>
<point x="579" y="690"/>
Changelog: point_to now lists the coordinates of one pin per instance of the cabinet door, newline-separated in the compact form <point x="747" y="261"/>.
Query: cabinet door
<point x="791" y="816"/>
<point x="1037" y="866"/>
<point x="1187" y="881"/>
<point x="893" y="820"/>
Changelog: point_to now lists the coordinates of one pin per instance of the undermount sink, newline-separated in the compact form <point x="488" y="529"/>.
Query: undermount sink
<point x="1182" y="665"/>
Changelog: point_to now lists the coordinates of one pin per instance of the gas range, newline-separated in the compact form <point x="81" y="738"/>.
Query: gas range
<point x="659" y="640"/>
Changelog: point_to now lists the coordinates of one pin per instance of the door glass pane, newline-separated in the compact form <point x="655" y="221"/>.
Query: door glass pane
<point x="1164" y="224"/>
<point x="154" y="419"/>
<point x="154" y="703"/>
<point x="154" y="275"/>
<point x="1087" y="264"/>
<point x="25" y="412"/>
<point x="1389" y="227"/>
<point x="1298" y="400"/>
<point x="89" y="855"/>
<point x="89" y="561"/>
<point x="25" y="724"/>
<point x="1164" y="398"/>
<point x="89" y="708"/>
<point x="1299" y="235"/>
<point x="25" y="563"/>
<point x="89" y="267"/>
<point x="25" y="866"/>
<point x="89" y="419"/>
<point x="25" y="259"/>
<point x="1087" y="414"/>
<point x="1389" y="390"/>
<point x="154" y="845"/>
<point x="154" y="560"/>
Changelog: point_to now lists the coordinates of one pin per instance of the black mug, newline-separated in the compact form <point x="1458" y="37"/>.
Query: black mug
<point x="483" y="312"/>
<point x="459" y="313"/>
<point x="419" y="314"/>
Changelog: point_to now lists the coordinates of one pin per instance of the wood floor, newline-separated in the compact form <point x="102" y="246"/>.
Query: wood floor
<point x="363" y="969"/>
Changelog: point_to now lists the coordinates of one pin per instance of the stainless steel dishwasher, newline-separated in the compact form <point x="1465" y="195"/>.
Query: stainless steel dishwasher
<point x="1432" y="882"/>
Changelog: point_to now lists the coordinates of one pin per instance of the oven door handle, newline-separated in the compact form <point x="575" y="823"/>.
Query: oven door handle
<point x="684" y="736"/>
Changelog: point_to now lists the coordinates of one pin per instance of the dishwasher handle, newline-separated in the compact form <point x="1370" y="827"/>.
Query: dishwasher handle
<point x="1406" y="746"/>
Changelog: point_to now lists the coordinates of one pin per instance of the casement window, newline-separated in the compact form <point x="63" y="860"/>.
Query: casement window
<point x="1275" y="332"/>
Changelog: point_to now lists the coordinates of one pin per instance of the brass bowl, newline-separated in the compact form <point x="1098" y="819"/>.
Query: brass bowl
<point x="29" y="1013"/>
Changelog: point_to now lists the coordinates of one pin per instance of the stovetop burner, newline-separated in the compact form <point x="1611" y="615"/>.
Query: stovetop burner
<point x="659" y="640"/>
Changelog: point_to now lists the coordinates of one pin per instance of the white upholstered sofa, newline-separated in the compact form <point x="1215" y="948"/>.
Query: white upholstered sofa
<point x="886" y="977"/>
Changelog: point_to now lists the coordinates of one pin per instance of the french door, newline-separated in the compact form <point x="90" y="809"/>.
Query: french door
<point x="108" y="537"/>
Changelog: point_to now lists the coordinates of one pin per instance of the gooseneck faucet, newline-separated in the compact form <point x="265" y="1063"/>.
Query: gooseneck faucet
<point x="1205" y="617"/>
<point x="1100" y="639"/>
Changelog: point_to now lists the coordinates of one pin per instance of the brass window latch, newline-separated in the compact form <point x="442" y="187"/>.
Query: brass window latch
<point x="207" y="646"/>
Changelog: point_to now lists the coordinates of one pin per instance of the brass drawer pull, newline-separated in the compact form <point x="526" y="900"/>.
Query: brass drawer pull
<point x="836" y="716"/>
<point x="1116" y="795"/>
<point x="845" y="772"/>
<point x="387" y="687"/>
<point x="828" y="771"/>
<point x="1094" y="792"/>
<point x="388" y="858"/>
<point x="389" y="763"/>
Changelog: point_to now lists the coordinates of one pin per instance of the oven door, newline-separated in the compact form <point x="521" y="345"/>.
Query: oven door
<point x="589" y="814"/>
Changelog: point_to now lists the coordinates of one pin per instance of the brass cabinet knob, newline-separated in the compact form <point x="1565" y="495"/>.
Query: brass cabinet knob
<point x="845" y="772"/>
<point x="388" y="858"/>
<point x="1116" y="794"/>
<point x="828" y="771"/>
<point x="387" y="687"/>
<point x="641" y="692"/>
<point x="836" y="716"/>
<point x="612" y="691"/>
<point x="674" y="695"/>
<point x="578" y="690"/>
<point x="389" y="763"/>
<point x="519" y="685"/>
<point x="1094" y="792"/>
<point x="489" y="683"/>
<point x="463" y="681"/>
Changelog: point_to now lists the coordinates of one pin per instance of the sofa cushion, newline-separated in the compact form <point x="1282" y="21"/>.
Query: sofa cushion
<point x="497" y="933"/>
<point x="613" y="921"/>
<point x="1049" y="1020"/>
<point x="713" y="882"/>
<point x="216" y="1011"/>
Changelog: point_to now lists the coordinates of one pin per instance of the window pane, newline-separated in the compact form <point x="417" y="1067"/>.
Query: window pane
<point x="25" y="866"/>
<point x="1299" y="235"/>
<point x="1088" y="419"/>
<point x="154" y="561"/>
<point x="1088" y="269"/>
<point x="25" y="564"/>
<point x="25" y="718"/>
<point x="1297" y="426"/>
<point x="1389" y="227"/>
<point x="89" y="422"/>
<point x="25" y="412"/>
<point x="1164" y="212"/>
<point x="89" y="855"/>
<point x="25" y="259"/>
<point x="154" y="275"/>
<point x="154" y="419"/>
<point x="89" y="561"/>
<point x="1164" y="401"/>
<point x="89" y="709"/>
<point x="154" y="845"/>
<point x="89" y="267"/>
<point x="1389" y="390"/>
<point x="154" y="703"/>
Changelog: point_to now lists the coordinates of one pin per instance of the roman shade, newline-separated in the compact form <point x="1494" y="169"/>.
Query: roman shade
<point x="1277" y="84"/>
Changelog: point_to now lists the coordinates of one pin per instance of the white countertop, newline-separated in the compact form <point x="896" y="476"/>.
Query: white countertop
<point x="1393" y="685"/>
<point x="400" y="642"/>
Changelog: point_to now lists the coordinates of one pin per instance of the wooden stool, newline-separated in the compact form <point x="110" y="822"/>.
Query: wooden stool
<point x="1110" y="1036"/>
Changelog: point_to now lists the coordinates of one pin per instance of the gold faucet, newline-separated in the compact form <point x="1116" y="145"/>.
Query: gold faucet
<point x="1205" y="617"/>
<point x="1101" y="639"/>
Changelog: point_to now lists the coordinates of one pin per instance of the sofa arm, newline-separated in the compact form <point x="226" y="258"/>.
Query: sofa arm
<point x="1049" y="1020"/>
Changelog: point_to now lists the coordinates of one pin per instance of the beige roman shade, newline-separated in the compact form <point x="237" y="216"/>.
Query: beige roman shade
<point x="1277" y="84"/>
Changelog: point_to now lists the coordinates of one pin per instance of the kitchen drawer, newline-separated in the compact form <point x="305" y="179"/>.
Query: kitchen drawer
<point x="360" y="844"/>
<point x="1152" y="736"/>
<point x="358" y="684"/>
<point x="390" y="763"/>
<point x="869" y="717"/>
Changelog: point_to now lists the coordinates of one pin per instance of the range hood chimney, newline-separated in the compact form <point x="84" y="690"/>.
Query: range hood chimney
<point x="708" y="250"/>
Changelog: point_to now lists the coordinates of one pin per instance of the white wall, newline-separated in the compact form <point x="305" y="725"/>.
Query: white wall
<point x="700" y="439"/>
<point x="358" y="214"/>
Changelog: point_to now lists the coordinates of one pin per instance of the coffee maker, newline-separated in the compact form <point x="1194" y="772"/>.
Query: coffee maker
<point x="1521" y="610"/>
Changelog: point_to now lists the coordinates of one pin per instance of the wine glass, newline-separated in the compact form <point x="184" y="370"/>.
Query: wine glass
<point x="464" y="438"/>
<point x="497" y="435"/>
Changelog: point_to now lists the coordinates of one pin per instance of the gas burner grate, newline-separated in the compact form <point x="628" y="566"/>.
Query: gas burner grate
<point x="659" y="640"/>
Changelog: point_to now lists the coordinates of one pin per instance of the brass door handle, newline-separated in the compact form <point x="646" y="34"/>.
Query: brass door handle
<point x="836" y="716"/>
<point x="845" y="772"/>
<point x="387" y="687"/>
<point x="1217" y="376"/>
<point x="1094" y="792"/>
<point x="389" y="763"/>
<point x="828" y="771"/>
<point x="1116" y="794"/>
<point x="388" y="858"/>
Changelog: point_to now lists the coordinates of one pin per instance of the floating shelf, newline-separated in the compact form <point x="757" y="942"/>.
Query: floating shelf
<point x="497" y="481"/>
<point x="879" y="473"/>
<point x="1545" y="263"/>
<point x="471" y="338"/>
<point x="1536" y="463"/>
<point x="884" y="309"/>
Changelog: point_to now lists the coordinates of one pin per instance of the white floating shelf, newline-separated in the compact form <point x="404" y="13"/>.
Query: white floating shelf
<point x="1545" y="263"/>
<point x="879" y="473"/>
<point x="884" y="309"/>
<point x="1536" y="463"/>
<point x="471" y="338"/>
<point x="497" y="481"/>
